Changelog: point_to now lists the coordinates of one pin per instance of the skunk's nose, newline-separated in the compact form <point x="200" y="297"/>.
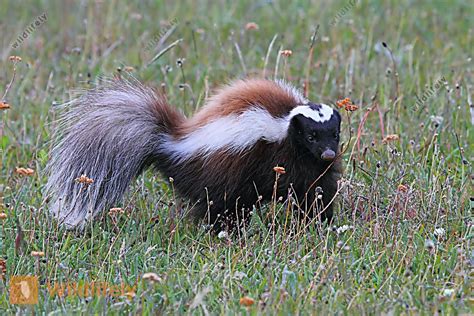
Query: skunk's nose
<point x="328" y="155"/>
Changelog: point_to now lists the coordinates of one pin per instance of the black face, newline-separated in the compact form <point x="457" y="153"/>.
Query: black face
<point x="320" y="139"/>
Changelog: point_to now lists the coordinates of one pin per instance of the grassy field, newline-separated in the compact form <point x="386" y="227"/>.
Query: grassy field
<point x="402" y="240"/>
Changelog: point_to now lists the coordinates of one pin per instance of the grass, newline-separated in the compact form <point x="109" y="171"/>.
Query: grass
<point x="404" y="215"/>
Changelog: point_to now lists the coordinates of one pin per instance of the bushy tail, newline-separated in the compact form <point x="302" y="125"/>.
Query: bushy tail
<point x="110" y="134"/>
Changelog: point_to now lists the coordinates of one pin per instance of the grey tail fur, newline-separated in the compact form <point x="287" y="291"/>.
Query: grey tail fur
<point x="110" y="134"/>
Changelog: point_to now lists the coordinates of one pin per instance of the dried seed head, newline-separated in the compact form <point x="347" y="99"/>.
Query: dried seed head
<point x="180" y="62"/>
<point x="37" y="253"/>
<point x="222" y="235"/>
<point x="429" y="244"/>
<point x="286" y="52"/>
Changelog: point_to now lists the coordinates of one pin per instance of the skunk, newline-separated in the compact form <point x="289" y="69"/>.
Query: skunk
<point x="222" y="159"/>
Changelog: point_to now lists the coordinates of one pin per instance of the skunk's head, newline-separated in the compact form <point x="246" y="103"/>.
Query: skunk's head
<point x="314" y="128"/>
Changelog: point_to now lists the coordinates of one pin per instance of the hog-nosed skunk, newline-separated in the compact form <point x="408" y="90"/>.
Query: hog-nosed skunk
<point x="222" y="159"/>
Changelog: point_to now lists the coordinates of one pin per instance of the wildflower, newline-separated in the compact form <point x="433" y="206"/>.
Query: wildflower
<point x="4" y="105"/>
<point x="347" y="104"/>
<point x="251" y="26"/>
<point x="3" y="216"/>
<point x="279" y="170"/>
<point x="37" y="253"/>
<point x="342" y="103"/>
<point x="24" y="171"/>
<point x="286" y="52"/>
<point x="390" y="138"/>
<point x="83" y="179"/>
<point x="351" y="107"/>
<point x="152" y="277"/>
<point x="402" y="188"/>
<point x="447" y="292"/>
<point x="129" y="68"/>
<point x="343" y="229"/>
<point x="246" y="301"/>
<point x="222" y="235"/>
<point x="116" y="210"/>
<point x="15" y="59"/>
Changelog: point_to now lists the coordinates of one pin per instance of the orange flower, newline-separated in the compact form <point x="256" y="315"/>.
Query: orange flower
<point x="246" y="301"/>
<point x="342" y="103"/>
<point x="279" y="170"/>
<point x="251" y="26"/>
<point x="4" y="105"/>
<point x="37" y="253"/>
<point x="129" y="69"/>
<point x="286" y="52"/>
<point x="351" y="107"/>
<point x="24" y="171"/>
<point x="390" y="138"/>
<point x="402" y="188"/>
<point x="347" y="105"/>
<point x="3" y="216"/>
<point x="84" y="179"/>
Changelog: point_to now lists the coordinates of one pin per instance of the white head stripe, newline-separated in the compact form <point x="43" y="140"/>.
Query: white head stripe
<point x="320" y="115"/>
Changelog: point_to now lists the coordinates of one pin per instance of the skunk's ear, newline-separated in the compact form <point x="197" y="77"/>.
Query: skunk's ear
<point x="296" y="124"/>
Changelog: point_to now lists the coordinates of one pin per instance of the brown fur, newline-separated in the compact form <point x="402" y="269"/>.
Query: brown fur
<point x="237" y="98"/>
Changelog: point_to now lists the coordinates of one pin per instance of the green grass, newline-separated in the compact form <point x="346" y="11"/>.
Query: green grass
<point x="388" y="261"/>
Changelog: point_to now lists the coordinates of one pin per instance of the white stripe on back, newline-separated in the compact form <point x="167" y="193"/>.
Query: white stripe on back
<point x="236" y="133"/>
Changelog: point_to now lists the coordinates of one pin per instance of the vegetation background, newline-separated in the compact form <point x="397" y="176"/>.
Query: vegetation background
<point x="402" y="241"/>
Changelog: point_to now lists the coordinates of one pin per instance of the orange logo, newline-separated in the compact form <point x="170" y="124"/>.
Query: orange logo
<point x="23" y="289"/>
